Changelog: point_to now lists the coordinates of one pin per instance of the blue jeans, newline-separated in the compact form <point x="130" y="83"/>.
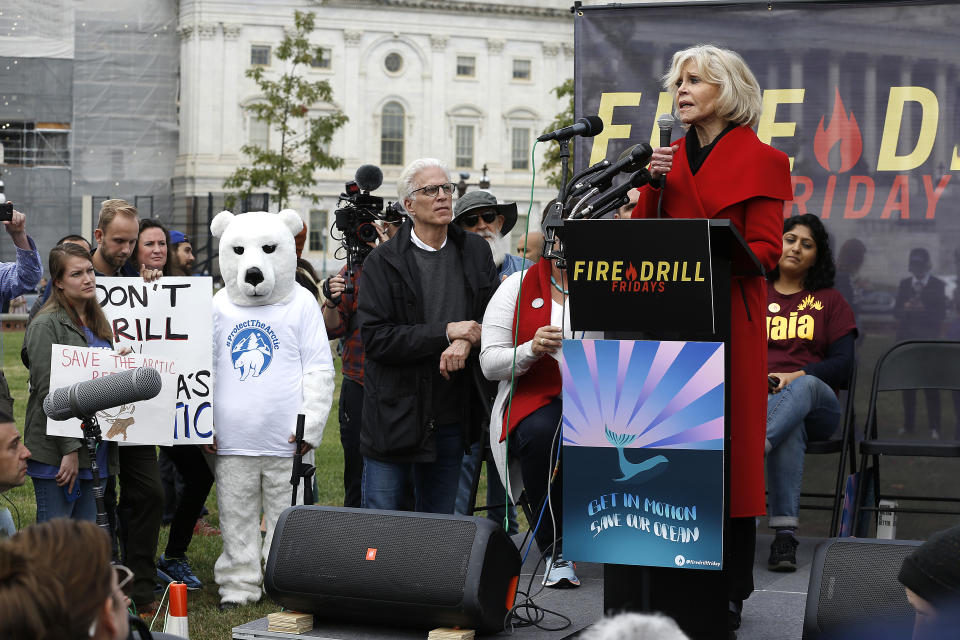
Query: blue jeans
<point x="52" y="500"/>
<point x="806" y="409"/>
<point x="496" y="494"/>
<point x="434" y="483"/>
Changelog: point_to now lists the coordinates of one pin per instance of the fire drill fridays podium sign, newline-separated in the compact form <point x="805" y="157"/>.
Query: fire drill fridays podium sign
<point x="169" y="320"/>
<point x="643" y="426"/>
<point x="143" y="422"/>
<point x="634" y="269"/>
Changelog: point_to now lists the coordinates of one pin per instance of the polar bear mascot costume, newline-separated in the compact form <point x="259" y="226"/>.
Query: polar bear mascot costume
<point x="271" y="361"/>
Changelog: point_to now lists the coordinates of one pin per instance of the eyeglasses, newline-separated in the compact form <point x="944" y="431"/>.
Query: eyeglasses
<point x="471" y="219"/>
<point x="431" y="190"/>
<point x="124" y="576"/>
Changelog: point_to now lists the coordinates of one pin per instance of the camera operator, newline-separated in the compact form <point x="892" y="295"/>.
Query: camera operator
<point x="17" y="278"/>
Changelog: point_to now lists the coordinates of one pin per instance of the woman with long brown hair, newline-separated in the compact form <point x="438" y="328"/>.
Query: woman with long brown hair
<point x="60" y="467"/>
<point x="56" y="582"/>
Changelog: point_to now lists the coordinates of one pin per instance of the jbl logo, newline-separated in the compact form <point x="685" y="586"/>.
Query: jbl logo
<point x="371" y="554"/>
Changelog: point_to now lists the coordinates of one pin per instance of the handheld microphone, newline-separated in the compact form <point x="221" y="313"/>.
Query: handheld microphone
<point x="615" y="195"/>
<point x="586" y="127"/>
<point x="86" y="398"/>
<point x="665" y="123"/>
<point x="630" y="160"/>
<point x="368" y="177"/>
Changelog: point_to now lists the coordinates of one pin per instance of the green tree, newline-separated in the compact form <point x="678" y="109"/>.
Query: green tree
<point x="551" y="159"/>
<point x="285" y="109"/>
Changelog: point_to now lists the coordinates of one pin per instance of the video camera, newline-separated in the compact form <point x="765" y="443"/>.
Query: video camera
<point x="358" y="212"/>
<point x="357" y="215"/>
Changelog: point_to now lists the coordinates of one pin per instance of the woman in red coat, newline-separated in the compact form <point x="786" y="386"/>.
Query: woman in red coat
<point x="719" y="169"/>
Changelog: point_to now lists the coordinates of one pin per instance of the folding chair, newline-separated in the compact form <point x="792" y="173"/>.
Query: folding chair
<point x="843" y="443"/>
<point x="914" y="364"/>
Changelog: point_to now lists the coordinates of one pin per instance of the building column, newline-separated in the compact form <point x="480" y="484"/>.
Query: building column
<point x="232" y="132"/>
<point x="942" y="150"/>
<point x="209" y="102"/>
<point x="435" y="109"/>
<point x="494" y="149"/>
<point x="870" y="125"/>
<point x="353" y="149"/>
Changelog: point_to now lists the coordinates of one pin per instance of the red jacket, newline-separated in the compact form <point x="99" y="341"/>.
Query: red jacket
<point x="745" y="181"/>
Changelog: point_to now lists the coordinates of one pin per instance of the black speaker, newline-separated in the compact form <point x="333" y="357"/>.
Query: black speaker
<point x="398" y="568"/>
<point x="854" y="587"/>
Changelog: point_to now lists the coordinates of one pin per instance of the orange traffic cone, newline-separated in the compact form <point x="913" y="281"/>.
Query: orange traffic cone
<point x="176" y="621"/>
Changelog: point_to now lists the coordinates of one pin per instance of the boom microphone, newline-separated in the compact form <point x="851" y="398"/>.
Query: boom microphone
<point x="630" y="160"/>
<point x="368" y="177"/>
<point x="586" y="127"/>
<point x="84" y="399"/>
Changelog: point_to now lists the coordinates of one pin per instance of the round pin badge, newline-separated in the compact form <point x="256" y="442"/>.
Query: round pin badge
<point x="537" y="303"/>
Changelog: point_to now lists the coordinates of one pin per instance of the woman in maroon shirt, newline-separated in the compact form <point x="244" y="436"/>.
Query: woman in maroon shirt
<point x="810" y="341"/>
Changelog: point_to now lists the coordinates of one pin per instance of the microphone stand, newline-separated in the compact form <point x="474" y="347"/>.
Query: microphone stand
<point x="554" y="219"/>
<point x="301" y="470"/>
<point x="93" y="439"/>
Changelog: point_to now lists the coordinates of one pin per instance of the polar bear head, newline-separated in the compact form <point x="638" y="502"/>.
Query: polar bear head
<point x="258" y="259"/>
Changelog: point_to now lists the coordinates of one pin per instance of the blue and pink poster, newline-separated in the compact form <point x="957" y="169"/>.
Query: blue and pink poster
<point x="643" y="427"/>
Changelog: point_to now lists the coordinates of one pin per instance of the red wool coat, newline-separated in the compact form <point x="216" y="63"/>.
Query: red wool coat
<point x="745" y="181"/>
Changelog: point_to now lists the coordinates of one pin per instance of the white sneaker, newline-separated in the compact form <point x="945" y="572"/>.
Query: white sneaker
<point x="560" y="574"/>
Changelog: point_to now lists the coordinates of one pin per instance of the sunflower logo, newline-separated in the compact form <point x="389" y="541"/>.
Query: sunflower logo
<point x="811" y="303"/>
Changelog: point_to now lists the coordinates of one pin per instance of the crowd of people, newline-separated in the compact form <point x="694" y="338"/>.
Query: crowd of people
<point x="442" y="349"/>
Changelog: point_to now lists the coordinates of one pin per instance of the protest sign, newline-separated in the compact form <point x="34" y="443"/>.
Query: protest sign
<point x="143" y="422"/>
<point x="169" y="319"/>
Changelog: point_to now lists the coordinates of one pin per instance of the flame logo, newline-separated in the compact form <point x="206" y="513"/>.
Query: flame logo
<point x="843" y="130"/>
<point x="810" y="302"/>
<point x="631" y="273"/>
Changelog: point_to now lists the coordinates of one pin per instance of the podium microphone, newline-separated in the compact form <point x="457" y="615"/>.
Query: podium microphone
<point x="636" y="157"/>
<point x="587" y="127"/>
<point x="615" y="196"/>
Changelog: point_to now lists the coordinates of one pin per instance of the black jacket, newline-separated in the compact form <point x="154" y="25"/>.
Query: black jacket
<point x="401" y="350"/>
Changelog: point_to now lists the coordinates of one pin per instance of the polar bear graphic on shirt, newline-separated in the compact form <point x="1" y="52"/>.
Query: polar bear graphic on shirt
<point x="252" y="353"/>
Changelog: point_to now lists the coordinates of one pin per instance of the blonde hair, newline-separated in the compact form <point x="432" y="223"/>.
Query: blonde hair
<point x="110" y="209"/>
<point x="740" y="100"/>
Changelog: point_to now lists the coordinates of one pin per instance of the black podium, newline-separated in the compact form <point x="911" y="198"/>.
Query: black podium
<point x="660" y="282"/>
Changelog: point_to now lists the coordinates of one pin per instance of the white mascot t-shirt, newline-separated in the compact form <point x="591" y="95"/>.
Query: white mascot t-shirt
<point x="262" y="354"/>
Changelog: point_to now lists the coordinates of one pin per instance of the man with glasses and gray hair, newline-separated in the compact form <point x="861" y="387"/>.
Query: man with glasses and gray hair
<point x="424" y="294"/>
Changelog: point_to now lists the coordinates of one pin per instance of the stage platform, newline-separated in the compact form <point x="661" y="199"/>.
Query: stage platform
<point x="773" y="612"/>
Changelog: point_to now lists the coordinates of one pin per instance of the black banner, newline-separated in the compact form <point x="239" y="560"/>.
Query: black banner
<point x="864" y="97"/>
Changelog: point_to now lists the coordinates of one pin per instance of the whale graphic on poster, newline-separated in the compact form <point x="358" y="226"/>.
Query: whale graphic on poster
<point x="651" y="467"/>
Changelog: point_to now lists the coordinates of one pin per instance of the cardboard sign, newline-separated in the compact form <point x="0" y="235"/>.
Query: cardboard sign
<point x="144" y="422"/>
<point x="169" y="319"/>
